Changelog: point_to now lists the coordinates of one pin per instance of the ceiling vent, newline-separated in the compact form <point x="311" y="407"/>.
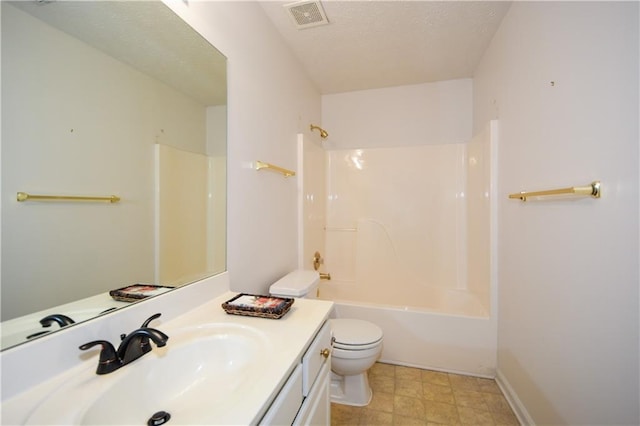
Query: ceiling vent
<point x="306" y="14"/>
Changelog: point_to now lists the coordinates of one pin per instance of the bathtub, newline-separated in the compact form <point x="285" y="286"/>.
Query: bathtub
<point x="451" y="332"/>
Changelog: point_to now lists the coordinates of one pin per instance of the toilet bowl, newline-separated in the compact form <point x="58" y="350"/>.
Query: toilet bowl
<point x="357" y="344"/>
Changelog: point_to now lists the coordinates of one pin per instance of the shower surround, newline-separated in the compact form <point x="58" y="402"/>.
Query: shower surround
<point x="407" y="242"/>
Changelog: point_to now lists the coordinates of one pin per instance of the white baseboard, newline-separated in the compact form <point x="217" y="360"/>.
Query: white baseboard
<point x="442" y="370"/>
<point x="512" y="398"/>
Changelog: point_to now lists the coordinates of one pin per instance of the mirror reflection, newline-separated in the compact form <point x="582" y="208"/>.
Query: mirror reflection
<point x="102" y="99"/>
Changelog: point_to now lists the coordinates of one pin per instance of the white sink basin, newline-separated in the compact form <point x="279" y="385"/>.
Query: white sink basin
<point x="200" y="371"/>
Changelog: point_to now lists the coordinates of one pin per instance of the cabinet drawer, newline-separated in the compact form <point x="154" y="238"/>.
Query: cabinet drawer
<point x="313" y="359"/>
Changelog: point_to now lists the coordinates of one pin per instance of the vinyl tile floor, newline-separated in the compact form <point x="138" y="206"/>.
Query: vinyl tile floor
<point x="411" y="396"/>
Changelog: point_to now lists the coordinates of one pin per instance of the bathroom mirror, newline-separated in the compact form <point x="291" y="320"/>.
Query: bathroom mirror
<point x="117" y="98"/>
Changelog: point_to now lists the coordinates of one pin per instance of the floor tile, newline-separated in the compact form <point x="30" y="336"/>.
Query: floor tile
<point x="441" y="413"/>
<point x="381" y="402"/>
<point x="384" y="384"/>
<point x="344" y="415"/>
<point x="408" y="407"/>
<point x="399" y="420"/>
<point x="469" y="398"/>
<point x="435" y="377"/>
<point x="411" y="388"/>
<point x="380" y="369"/>
<point x="408" y="373"/>
<point x="406" y="396"/>
<point x="373" y="417"/>
<point x="475" y="417"/>
<point x="488" y="386"/>
<point x="463" y="382"/>
<point x="438" y="393"/>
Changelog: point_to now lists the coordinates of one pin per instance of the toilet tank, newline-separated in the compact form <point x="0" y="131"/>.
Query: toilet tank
<point x="299" y="283"/>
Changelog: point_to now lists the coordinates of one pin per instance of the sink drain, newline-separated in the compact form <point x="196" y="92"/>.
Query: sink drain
<point x="159" y="418"/>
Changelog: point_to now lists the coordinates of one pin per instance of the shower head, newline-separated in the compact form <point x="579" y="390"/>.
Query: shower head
<point x="323" y="133"/>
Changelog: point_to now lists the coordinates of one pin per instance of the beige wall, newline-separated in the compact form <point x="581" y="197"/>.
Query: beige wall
<point x="568" y="270"/>
<point x="418" y="114"/>
<point x="270" y="101"/>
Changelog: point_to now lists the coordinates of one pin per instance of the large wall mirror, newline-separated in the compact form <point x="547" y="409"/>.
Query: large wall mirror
<point x="106" y="98"/>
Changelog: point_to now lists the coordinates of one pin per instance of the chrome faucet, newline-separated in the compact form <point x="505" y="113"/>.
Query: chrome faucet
<point x="132" y="347"/>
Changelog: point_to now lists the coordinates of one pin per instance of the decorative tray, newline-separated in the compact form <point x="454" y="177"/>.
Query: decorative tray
<point x="135" y="292"/>
<point x="255" y="305"/>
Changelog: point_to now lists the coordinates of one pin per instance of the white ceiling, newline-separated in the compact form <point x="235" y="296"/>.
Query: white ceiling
<point x="375" y="44"/>
<point x="146" y="35"/>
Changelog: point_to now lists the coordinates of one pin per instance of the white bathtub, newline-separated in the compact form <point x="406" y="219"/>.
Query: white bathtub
<point x="452" y="331"/>
<point x="409" y="296"/>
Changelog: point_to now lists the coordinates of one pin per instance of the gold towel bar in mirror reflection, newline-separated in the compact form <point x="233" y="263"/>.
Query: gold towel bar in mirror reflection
<point x="23" y="196"/>
<point x="592" y="190"/>
<point x="262" y="165"/>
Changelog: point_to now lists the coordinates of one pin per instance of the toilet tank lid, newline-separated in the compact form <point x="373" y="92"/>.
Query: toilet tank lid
<point x="296" y="284"/>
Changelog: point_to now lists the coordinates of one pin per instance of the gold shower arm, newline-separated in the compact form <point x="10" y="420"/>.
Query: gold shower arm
<point x="23" y="196"/>
<point x="262" y="165"/>
<point x="323" y="132"/>
<point x="592" y="190"/>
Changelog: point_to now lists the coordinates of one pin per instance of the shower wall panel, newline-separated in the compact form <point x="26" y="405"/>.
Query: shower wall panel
<point x="182" y="248"/>
<point x="396" y="217"/>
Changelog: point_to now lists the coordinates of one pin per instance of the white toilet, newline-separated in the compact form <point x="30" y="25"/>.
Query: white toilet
<point x="357" y="344"/>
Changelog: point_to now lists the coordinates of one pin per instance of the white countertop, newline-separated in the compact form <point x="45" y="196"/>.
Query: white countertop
<point x="289" y="337"/>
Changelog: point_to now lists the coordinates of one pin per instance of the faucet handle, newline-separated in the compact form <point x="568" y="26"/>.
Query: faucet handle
<point x="61" y="319"/>
<point x="109" y="360"/>
<point x="148" y="320"/>
<point x="145" y="346"/>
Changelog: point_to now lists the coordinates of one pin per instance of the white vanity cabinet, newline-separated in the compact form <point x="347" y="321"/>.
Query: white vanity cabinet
<point x="304" y="398"/>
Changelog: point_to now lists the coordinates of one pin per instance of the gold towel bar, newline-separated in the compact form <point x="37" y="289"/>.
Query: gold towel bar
<point x="23" y="196"/>
<point x="262" y="165"/>
<point x="592" y="190"/>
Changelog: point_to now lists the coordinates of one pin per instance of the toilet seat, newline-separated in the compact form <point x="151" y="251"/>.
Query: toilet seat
<point x="355" y="335"/>
<point x="356" y="347"/>
<point x="357" y="354"/>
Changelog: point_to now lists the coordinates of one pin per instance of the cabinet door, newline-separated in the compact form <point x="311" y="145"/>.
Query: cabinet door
<point x="316" y="408"/>
<point x="313" y="359"/>
<point x="284" y="408"/>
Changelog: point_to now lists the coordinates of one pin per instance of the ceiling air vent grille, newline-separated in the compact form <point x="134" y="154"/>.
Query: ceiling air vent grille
<point x="306" y="14"/>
